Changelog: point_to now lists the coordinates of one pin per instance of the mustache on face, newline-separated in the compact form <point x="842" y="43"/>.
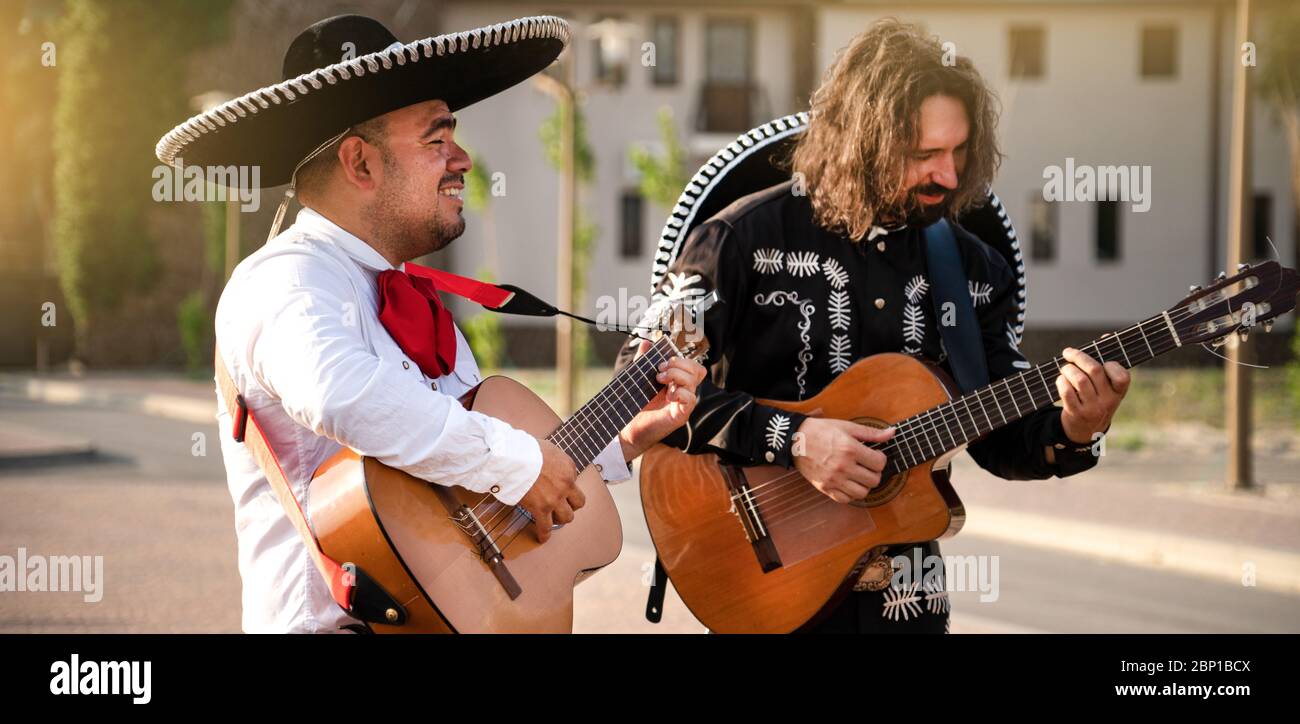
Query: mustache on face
<point x="453" y="178"/>
<point x="932" y="190"/>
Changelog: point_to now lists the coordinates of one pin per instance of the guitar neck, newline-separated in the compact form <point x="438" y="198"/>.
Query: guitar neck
<point x="599" y="421"/>
<point x="930" y="434"/>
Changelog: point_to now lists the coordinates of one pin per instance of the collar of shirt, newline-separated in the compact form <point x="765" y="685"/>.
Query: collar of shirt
<point x="361" y="252"/>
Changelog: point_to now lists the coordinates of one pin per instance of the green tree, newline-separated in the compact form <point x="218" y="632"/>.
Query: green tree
<point x="121" y="86"/>
<point x="662" y="176"/>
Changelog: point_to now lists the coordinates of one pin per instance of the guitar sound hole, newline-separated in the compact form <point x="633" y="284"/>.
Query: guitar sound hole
<point x="884" y="492"/>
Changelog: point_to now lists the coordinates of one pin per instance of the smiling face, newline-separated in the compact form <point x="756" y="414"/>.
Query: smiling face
<point x="937" y="160"/>
<point x="414" y="206"/>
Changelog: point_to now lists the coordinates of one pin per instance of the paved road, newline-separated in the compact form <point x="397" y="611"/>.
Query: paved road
<point x="161" y="517"/>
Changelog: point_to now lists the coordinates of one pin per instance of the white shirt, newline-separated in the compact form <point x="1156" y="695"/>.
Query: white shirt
<point x="298" y="328"/>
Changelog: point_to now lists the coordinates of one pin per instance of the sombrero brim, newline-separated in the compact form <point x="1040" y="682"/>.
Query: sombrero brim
<point x="275" y="127"/>
<point x="752" y="163"/>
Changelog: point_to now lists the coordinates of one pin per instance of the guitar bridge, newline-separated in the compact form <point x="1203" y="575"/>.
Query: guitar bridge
<point x="745" y="505"/>
<point x="471" y="526"/>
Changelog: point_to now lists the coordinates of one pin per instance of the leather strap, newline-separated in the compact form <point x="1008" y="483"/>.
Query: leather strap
<point x="247" y="430"/>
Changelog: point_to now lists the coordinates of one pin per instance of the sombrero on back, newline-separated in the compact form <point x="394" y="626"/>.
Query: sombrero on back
<point x="323" y="94"/>
<point x="754" y="161"/>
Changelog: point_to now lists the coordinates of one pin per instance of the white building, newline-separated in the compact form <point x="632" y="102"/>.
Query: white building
<point x="1143" y="84"/>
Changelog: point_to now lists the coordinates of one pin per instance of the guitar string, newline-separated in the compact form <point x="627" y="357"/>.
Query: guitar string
<point x="816" y="497"/>
<point x="653" y="365"/>
<point x="774" y="498"/>
<point x="561" y="439"/>
<point x="915" y="426"/>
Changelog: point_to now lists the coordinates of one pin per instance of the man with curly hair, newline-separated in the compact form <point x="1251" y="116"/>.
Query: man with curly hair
<point x="830" y="267"/>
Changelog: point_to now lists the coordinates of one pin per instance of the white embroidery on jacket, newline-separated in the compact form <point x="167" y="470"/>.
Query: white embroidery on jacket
<point x="835" y="273"/>
<point x="802" y="263"/>
<point x="768" y="261"/>
<point x="839" y="353"/>
<point x="806" y="309"/>
<point x="901" y="603"/>
<point x="980" y="292"/>
<point x="776" y="429"/>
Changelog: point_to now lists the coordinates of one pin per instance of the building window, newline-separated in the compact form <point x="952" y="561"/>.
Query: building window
<point x="1042" y="228"/>
<point x="665" y="33"/>
<point x="609" y="51"/>
<point x="1262" y="220"/>
<point x="632" y="220"/>
<point x="1108" y="231"/>
<point x="1159" y="51"/>
<point x="1028" y="51"/>
<point x="729" y="98"/>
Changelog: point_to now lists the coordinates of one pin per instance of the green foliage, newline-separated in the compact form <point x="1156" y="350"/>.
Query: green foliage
<point x="478" y="184"/>
<point x="551" y="132"/>
<point x="662" y="177"/>
<point x="195" y="323"/>
<point x="483" y="332"/>
<point x="121" y="74"/>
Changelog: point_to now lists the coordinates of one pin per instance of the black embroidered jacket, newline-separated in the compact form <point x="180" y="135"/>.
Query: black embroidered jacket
<point x="800" y="304"/>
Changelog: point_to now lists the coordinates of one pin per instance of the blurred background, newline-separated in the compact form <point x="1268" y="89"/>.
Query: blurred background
<point x="107" y="445"/>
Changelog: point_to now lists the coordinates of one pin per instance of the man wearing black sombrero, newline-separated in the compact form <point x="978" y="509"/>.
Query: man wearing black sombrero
<point x="328" y="337"/>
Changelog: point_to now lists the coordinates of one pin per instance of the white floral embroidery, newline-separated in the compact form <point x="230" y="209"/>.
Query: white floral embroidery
<point x="768" y="261"/>
<point x="840" y="353"/>
<point x="1013" y="338"/>
<point x="776" y="429"/>
<point x="678" y="288"/>
<point x="916" y="289"/>
<point x="902" y="603"/>
<point x="936" y="598"/>
<point x="838" y="310"/>
<point x="835" y="273"/>
<point x="913" y="328"/>
<point x="913" y="317"/>
<point x="806" y="309"/>
<point x="980" y="292"/>
<point x="802" y="263"/>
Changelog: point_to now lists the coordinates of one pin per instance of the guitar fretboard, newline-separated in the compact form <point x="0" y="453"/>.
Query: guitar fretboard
<point x="930" y="434"/>
<point x="599" y="421"/>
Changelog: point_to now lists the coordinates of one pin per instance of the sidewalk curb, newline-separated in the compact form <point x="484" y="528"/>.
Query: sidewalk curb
<point x="1225" y="562"/>
<point x="58" y="392"/>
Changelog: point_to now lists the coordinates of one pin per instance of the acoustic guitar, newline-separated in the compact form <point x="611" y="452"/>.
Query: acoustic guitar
<point x="455" y="561"/>
<point x="759" y="549"/>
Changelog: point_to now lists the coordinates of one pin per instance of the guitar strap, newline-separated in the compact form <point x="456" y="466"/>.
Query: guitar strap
<point x="951" y="296"/>
<point x="962" y="340"/>
<point x="350" y="587"/>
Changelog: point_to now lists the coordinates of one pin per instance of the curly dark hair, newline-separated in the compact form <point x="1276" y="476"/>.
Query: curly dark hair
<point x="865" y="120"/>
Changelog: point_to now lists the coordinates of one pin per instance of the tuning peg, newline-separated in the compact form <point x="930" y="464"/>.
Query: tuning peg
<point x="1219" y="342"/>
<point x="1242" y="267"/>
<point x="1268" y="325"/>
<point x="1221" y="277"/>
<point x="1243" y="333"/>
<point x="1194" y="288"/>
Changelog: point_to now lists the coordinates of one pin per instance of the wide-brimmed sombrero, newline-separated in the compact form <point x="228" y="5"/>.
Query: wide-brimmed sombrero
<point x="323" y="94"/>
<point x="755" y="161"/>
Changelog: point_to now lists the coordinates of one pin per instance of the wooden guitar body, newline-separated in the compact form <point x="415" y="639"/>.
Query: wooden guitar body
<point x="759" y="549"/>
<point x="415" y="540"/>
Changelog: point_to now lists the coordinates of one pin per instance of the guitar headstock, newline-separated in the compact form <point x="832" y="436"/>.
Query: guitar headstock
<point x="1254" y="296"/>
<point x="685" y="326"/>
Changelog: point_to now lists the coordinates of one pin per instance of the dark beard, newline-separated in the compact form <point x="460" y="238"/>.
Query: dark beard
<point x="914" y="213"/>
<point x="444" y="231"/>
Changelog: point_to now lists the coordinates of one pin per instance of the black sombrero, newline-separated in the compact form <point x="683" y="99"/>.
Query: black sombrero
<point x="322" y="95"/>
<point x="753" y="162"/>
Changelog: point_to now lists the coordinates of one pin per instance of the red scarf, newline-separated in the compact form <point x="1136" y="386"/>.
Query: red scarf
<point x="413" y="314"/>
